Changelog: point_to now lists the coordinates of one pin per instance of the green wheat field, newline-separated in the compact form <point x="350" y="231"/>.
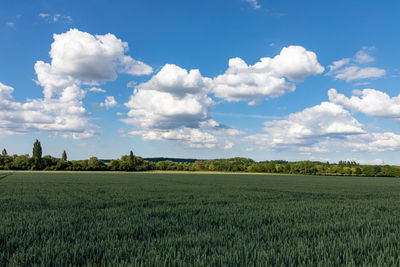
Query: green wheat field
<point x="156" y="219"/>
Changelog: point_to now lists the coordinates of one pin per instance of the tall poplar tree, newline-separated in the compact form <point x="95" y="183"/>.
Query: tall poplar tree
<point x="132" y="161"/>
<point x="37" y="154"/>
<point x="64" y="156"/>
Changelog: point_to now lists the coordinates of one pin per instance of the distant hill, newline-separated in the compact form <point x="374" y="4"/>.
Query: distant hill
<point x="170" y="159"/>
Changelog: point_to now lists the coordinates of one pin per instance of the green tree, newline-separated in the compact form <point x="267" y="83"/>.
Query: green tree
<point x="368" y="170"/>
<point x="4" y="152"/>
<point x="49" y="162"/>
<point x="115" y="165"/>
<point x="94" y="164"/>
<point x="21" y="162"/>
<point x="132" y="161"/>
<point x="37" y="154"/>
<point x="64" y="156"/>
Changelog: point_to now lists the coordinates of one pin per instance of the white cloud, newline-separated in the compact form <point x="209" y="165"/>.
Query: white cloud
<point x="372" y="142"/>
<point x="172" y="98"/>
<point x="294" y="62"/>
<point x="134" y="67"/>
<point x="53" y="18"/>
<point x="338" y="64"/>
<point x="76" y="58"/>
<point x="330" y="125"/>
<point x="253" y="3"/>
<point x="96" y="89"/>
<point x="109" y="102"/>
<point x="44" y="15"/>
<point x="174" y="106"/>
<point x="177" y="81"/>
<point x="363" y="56"/>
<point x="51" y="82"/>
<point x="362" y="83"/>
<point x="347" y="69"/>
<point x="6" y="98"/>
<point x="58" y="17"/>
<point x="356" y="73"/>
<point x="190" y="137"/>
<point x="163" y="110"/>
<point x="371" y="102"/>
<point x="92" y="58"/>
<point x="64" y="114"/>
<point x="269" y="77"/>
<point x="218" y="129"/>
<point x="131" y="84"/>
<point x="370" y="162"/>
<point x="308" y="129"/>
<point x="79" y="57"/>
<point x="174" y="103"/>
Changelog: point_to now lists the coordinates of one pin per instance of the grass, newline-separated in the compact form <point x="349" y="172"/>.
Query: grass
<point x="197" y="219"/>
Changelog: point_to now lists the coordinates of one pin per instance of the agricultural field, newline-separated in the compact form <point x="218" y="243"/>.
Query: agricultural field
<point x="155" y="219"/>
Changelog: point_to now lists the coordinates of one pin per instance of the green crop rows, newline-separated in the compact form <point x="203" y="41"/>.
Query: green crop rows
<point x="196" y="219"/>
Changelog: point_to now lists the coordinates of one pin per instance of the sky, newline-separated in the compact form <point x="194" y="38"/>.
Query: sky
<point x="291" y="80"/>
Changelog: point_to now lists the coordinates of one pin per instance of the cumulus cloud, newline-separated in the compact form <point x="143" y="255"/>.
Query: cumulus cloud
<point x="306" y="130"/>
<point x="174" y="106"/>
<point x="172" y="98"/>
<point x="55" y="115"/>
<point x="177" y="81"/>
<point x="81" y="58"/>
<point x="162" y="110"/>
<point x="372" y="142"/>
<point x="270" y="77"/>
<point x="131" y="66"/>
<point x="5" y="93"/>
<point x="349" y="69"/>
<point x="190" y="137"/>
<point x="331" y="125"/>
<point x="371" y="102"/>
<point x="175" y="102"/>
<point x="209" y="136"/>
<point x="220" y="129"/>
<point x="92" y="58"/>
<point x="77" y="58"/>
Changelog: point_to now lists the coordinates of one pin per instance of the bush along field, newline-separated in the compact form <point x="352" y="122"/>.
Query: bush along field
<point x="157" y="219"/>
<point x="132" y="162"/>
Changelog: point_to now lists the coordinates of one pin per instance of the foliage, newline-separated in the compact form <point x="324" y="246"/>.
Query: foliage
<point x="37" y="155"/>
<point x="132" y="162"/>
<point x="64" y="156"/>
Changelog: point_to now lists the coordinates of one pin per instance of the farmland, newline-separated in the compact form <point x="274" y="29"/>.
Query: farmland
<point x="197" y="219"/>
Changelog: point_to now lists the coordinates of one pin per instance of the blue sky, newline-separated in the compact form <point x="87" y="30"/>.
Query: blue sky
<point x="202" y="79"/>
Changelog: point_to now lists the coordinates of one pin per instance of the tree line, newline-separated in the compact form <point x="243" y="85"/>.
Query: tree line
<point x="132" y="162"/>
